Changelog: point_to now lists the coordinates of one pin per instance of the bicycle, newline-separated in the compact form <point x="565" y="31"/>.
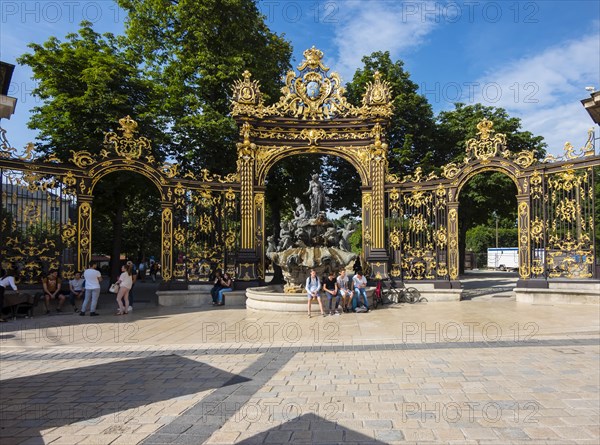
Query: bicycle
<point x="402" y="294"/>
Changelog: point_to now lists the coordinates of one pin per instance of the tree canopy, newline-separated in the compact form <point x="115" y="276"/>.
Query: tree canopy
<point x="193" y="52"/>
<point x="86" y="84"/>
<point x="411" y="132"/>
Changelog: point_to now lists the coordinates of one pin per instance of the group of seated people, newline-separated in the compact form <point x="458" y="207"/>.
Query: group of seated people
<point x="338" y="290"/>
<point x="53" y="290"/>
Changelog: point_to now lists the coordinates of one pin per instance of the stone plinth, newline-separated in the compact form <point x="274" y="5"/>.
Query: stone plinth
<point x="561" y="292"/>
<point x="433" y="295"/>
<point x="198" y="296"/>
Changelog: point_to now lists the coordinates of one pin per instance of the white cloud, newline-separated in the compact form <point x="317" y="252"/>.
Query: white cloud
<point x="545" y="90"/>
<point x="365" y="27"/>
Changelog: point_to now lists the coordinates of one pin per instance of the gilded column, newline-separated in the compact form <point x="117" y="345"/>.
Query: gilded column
<point x="524" y="236"/>
<point x="84" y="232"/>
<point x="377" y="254"/>
<point x="259" y="207"/>
<point x="453" y="255"/>
<point x="247" y="258"/>
<point x="246" y="151"/>
<point x="378" y="206"/>
<point x="366" y="217"/>
<point x="166" y="257"/>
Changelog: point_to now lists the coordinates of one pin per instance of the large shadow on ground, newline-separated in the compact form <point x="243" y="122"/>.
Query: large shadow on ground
<point x="39" y="402"/>
<point x="310" y="428"/>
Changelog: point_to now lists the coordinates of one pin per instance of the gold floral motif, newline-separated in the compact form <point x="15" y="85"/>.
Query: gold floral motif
<point x="69" y="232"/>
<point x="488" y="144"/>
<point x="82" y="159"/>
<point x="179" y="237"/>
<point x="537" y="230"/>
<point x="566" y="210"/>
<point x="313" y="135"/>
<point x="450" y="171"/>
<point x="524" y="158"/>
<point x="570" y="153"/>
<point x="441" y="237"/>
<point x="417" y="198"/>
<point x="395" y="239"/>
<point x="418" y="223"/>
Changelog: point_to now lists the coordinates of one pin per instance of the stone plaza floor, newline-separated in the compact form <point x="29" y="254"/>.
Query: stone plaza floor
<point x="484" y="371"/>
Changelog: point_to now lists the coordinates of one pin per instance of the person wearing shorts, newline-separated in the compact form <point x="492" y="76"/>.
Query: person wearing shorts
<point x="313" y="286"/>
<point x="344" y="291"/>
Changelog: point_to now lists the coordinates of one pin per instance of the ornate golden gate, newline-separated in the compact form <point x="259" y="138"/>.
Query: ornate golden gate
<point x="555" y="199"/>
<point x="410" y="224"/>
<point x="46" y="217"/>
<point x="312" y="116"/>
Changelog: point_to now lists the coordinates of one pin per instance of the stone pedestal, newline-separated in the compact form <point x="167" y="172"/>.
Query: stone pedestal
<point x="561" y="292"/>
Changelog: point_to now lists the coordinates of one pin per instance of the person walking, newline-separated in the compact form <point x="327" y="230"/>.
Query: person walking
<point x="125" y="283"/>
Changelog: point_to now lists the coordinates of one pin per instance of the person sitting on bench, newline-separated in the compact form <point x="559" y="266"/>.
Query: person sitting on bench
<point x="52" y="290"/>
<point x="6" y="279"/>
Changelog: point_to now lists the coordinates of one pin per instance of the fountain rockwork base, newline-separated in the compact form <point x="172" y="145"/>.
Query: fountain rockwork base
<point x="296" y="264"/>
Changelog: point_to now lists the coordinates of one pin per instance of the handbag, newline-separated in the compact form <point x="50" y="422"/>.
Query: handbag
<point x="114" y="288"/>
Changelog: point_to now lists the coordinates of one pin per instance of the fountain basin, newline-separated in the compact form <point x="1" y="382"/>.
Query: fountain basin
<point x="273" y="298"/>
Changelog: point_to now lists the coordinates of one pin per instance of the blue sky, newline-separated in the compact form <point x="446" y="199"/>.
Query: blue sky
<point x="533" y="58"/>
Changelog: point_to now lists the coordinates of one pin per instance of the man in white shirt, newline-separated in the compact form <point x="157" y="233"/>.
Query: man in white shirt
<point x="360" y="290"/>
<point x="92" y="279"/>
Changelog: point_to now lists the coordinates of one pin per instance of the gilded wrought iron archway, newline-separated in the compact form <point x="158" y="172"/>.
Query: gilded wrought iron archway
<point x="555" y="205"/>
<point x="312" y="116"/>
<point x="199" y="214"/>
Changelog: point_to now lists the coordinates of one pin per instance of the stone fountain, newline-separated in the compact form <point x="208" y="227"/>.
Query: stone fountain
<point x="310" y="241"/>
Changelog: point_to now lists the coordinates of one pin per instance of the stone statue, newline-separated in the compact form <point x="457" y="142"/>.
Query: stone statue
<point x="345" y="235"/>
<point x="317" y="196"/>
<point x="300" y="212"/>
<point x="285" y="237"/>
<point x="271" y="246"/>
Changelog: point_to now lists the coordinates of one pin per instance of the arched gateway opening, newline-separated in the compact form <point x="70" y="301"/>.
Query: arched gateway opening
<point x="288" y="200"/>
<point x="488" y="235"/>
<point x="126" y="221"/>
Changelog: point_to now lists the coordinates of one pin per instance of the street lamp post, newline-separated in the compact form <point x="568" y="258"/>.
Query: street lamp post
<point x="495" y="215"/>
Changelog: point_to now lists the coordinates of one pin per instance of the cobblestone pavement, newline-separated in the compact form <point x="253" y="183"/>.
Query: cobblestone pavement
<point x="475" y="372"/>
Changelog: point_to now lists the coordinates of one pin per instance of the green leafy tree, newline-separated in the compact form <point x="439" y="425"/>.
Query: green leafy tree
<point x="86" y="84"/>
<point x="410" y="133"/>
<point x="193" y="52"/>
<point x="456" y="127"/>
